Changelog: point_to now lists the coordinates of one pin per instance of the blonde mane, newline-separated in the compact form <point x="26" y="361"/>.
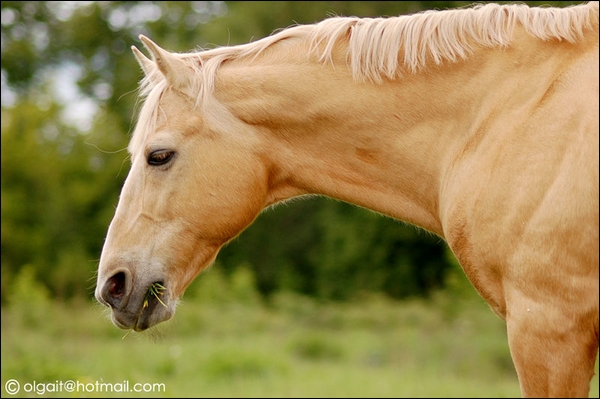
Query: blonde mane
<point x="380" y="48"/>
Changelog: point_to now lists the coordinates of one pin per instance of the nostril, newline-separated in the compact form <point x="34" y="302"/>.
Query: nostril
<point x="116" y="285"/>
<point x="114" y="289"/>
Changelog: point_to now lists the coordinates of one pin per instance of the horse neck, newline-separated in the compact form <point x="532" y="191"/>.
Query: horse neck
<point x="387" y="147"/>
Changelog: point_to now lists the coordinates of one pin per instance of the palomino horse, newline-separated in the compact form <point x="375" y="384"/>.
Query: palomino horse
<point x="478" y="124"/>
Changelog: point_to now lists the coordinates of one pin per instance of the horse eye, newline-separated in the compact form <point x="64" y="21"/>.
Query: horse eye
<point x="160" y="157"/>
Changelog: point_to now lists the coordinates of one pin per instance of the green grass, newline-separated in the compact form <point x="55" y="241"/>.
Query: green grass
<point x="293" y="347"/>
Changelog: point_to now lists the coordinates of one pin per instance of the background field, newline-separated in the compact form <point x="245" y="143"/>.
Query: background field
<point x="227" y="342"/>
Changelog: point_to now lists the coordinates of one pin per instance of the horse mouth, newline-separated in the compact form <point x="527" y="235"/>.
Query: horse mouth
<point x="148" y="310"/>
<point x="152" y="304"/>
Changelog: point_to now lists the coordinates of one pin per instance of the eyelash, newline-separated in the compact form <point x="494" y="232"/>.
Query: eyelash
<point x="159" y="157"/>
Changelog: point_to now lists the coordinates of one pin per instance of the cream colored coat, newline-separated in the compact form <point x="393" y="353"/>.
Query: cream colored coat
<point x="479" y="125"/>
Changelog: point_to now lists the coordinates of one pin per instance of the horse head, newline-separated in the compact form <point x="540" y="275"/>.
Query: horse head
<point x="195" y="183"/>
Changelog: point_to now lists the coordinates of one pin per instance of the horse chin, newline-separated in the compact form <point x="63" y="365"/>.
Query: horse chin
<point x="151" y="312"/>
<point x="150" y="318"/>
<point x="139" y="322"/>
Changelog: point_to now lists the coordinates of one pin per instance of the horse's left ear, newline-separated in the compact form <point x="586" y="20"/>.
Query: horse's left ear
<point x="177" y="72"/>
<point x="146" y="64"/>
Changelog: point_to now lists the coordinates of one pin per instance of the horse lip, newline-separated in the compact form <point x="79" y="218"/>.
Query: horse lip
<point x="143" y="313"/>
<point x="123" y="319"/>
<point x="152" y="306"/>
<point x="144" y="321"/>
<point x="152" y="316"/>
<point x="148" y="317"/>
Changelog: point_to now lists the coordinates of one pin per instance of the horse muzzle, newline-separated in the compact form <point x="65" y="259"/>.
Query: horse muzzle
<point x="135" y="304"/>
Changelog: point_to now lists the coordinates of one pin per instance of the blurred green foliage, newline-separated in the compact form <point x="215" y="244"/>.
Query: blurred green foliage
<point x="287" y="345"/>
<point x="69" y="86"/>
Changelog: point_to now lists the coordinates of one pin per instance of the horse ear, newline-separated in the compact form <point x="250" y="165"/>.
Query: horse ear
<point x="175" y="70"/>
<point x="146" y="64"/>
